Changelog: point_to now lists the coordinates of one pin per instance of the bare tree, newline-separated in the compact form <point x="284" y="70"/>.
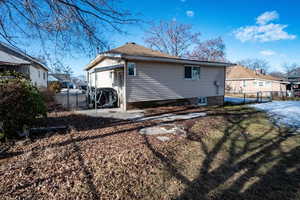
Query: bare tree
<point x="62" y="24"/>
<point x="255" y="64"/>
<point x="277" y="74"/>
<point x="59" y="67"/>
<point x="291" y="68"/>
<point x="171" y="37"/>
<point x="210" y="50"/>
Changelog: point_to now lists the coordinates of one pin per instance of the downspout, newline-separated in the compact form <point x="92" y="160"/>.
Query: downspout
<point x="125" y="87"/>
<point x="224" y="85"/>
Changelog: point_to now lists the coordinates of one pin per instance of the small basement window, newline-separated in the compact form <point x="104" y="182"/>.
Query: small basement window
<point x="131" y="68"/>
<point x="192" y="73"/>
<point x="202" y="101"/>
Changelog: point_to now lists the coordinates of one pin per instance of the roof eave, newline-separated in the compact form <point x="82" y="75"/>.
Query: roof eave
<point x="99" y="58"/>
<point x="177" y="60"/>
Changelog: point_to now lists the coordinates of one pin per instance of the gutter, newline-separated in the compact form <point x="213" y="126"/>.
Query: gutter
<point x="155" y="59"/>
<point x="176" y="60"/>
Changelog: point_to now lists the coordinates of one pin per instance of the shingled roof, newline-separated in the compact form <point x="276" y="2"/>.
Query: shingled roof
<point x="12" y="56"/>
<point x="241" y="72"/>
<point x="134" y="49"/>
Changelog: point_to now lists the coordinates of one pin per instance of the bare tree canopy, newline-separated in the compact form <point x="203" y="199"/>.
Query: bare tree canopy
<point x="59" y="67"/>
<point x="255" y="64"/>
<point x="210" y="50"/>
<point x="178" y="39"/>
<point x="291" y="69"/>
<point x="65" y="24"/>
<point x="171" y="37"/>
<point x="277" y="74"/>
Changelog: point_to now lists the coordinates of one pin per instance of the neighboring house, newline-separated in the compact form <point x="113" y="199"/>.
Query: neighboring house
<point x="64" y="79"/>
<point x="12" y="59"/>
<point x="139" y="75"/>
<point x="294" y="85"/>
<point x="79" y="83"/>
<point x="240" y="79"/>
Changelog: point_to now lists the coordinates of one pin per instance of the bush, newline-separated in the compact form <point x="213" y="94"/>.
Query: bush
<point x="54" y="86"/>
<point x="48" y="95"/>
<point x="20" y="104"/>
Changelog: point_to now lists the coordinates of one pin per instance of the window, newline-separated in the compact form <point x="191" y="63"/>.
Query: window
<point x="254" y="82"/>
<point x="261" y="83"/>
<point x="131" y="69"/>
<point x="44" y="75"/>
<point x="202" y="101"/>
<point x="244" y="83"/>
<point x="192" y="73"/>
<point x="39" y="74"/>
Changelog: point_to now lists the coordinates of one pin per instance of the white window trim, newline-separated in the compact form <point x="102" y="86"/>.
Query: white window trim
<point x="193" y="78"/>
<point x="134" y="69"/>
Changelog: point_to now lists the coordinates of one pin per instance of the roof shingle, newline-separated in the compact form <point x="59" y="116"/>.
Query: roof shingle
<point x="134" y="49"/>
<point x="241" y="72"/>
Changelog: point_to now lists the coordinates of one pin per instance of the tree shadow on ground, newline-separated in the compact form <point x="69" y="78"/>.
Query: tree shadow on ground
<point x="252" y="170"/>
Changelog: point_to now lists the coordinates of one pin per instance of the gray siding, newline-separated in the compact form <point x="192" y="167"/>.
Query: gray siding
<point x="162" y="81"/>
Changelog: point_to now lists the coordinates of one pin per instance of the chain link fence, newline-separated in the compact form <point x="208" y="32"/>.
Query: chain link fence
<point x="255" y="97"/>
<point x="72" y="100"/>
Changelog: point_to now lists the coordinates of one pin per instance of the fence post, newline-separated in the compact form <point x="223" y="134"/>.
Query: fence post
<point x="68" y="99"/>
<point x="244" y="98"/>
<point x="257" y="97"/>
<point x="76" y="100"/>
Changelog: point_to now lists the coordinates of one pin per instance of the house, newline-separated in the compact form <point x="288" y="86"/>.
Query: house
<point x="140" y="75"/>
<point x="294" y="84"/>
<point x="64" y="79"/>
<point x="12" y="59"/>
<point x="240" y="79"/>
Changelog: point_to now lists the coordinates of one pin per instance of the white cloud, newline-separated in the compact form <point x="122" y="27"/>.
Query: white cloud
<point x="264" y="31"/>
<point x="183" y="1"/>
<point x="190" y="13"/>
<point x="267" y="17"/>
<point x="267" y="53"/>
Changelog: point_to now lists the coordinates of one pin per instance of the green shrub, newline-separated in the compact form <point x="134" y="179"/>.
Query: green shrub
<point x="20" y="104"/>
<point x="54" y="86"/>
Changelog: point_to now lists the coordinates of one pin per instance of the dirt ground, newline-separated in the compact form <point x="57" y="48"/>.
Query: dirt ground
<point x="232" y="153"/>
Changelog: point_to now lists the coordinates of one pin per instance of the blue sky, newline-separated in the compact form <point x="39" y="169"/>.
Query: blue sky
<point x="250" y="28"/>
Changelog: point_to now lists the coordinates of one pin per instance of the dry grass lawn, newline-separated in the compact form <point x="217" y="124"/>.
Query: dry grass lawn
<point x="233" y="153"/>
